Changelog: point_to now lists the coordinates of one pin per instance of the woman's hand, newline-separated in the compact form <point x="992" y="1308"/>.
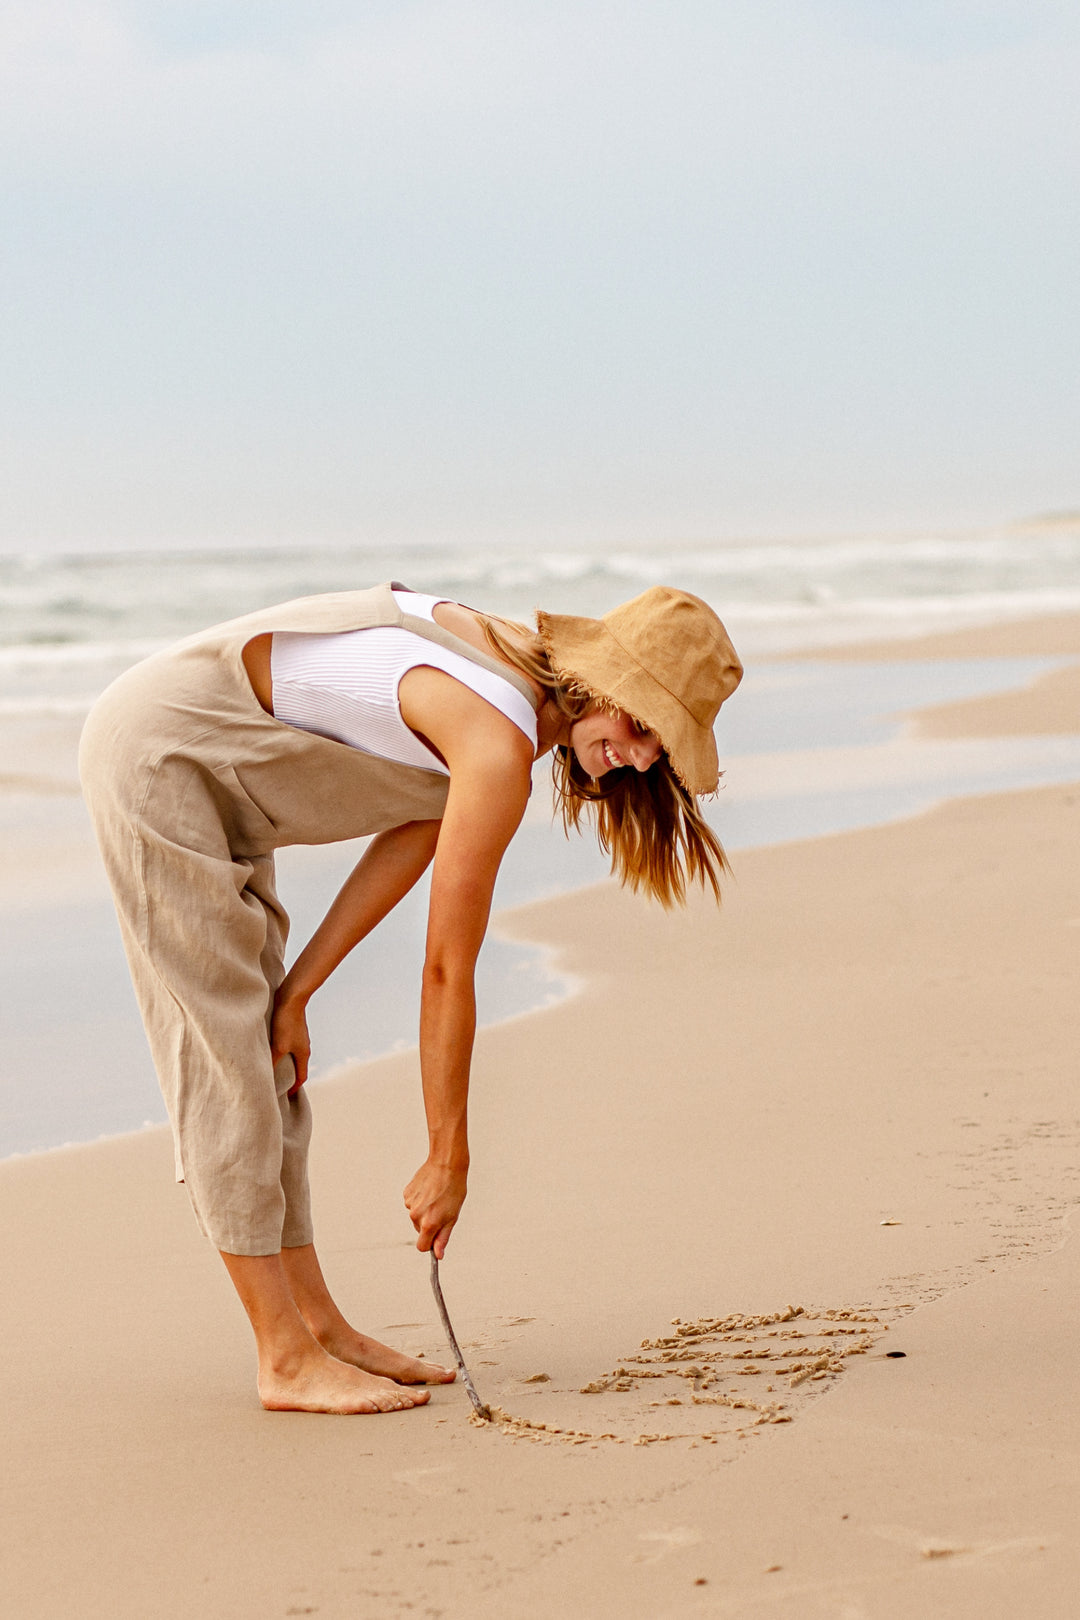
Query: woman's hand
<point x="433" y="1199"/>
<point x="289" y="1036"/>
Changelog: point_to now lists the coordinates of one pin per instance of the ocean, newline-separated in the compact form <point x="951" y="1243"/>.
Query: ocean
<point x="810" y="747"/>
<point x="67" y="620"/>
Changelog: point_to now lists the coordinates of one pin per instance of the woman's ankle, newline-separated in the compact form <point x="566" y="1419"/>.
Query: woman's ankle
<point x="285" y="1356"/>
<point x="313" y="1298"/>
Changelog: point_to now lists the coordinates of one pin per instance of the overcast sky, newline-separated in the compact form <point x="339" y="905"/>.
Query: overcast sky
<point x="542" y="270"/>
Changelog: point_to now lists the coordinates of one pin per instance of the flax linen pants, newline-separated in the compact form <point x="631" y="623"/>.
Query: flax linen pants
<point x="191" y="787"/>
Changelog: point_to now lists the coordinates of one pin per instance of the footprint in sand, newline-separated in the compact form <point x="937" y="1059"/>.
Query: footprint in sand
<point x="422" y="1481"/>
<point x="669" y="1541"/>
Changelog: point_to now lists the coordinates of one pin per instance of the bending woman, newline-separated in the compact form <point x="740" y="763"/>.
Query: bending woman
<point x="417" y="720"/>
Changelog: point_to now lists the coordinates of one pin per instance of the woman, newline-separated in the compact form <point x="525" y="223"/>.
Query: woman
<point x="417" y="720"/>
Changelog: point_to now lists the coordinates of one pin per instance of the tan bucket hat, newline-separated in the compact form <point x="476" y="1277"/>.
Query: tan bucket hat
<point x="664" y="658"/>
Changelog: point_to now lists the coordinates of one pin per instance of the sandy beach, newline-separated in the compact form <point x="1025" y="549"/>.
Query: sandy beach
<point x="715" y="1193"/>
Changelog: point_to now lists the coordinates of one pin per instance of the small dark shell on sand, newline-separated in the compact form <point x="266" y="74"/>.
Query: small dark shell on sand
<point x="896" y="1355"/>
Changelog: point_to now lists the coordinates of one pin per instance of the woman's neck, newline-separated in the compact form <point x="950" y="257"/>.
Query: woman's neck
<point x="552" y="728"/>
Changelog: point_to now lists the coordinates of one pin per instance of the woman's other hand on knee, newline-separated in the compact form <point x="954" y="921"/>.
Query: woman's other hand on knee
<point x="289" y="1036"/>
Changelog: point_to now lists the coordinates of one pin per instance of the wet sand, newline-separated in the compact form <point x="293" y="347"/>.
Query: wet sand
<point x="843" y="1108"/>
<point x="1050" y="706"/>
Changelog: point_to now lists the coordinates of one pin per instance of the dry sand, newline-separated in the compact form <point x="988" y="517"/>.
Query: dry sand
<point x="852" y="1091"/>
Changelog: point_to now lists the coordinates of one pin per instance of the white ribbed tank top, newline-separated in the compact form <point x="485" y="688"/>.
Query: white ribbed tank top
<point x="345" y="685"/>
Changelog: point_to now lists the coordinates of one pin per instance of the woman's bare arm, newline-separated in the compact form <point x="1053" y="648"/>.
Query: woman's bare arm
<point x="490" y="772"/>
<point x="392" y="863"/>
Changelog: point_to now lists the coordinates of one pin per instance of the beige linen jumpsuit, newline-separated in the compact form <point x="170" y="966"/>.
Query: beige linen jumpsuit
<point x="191" y="787"/>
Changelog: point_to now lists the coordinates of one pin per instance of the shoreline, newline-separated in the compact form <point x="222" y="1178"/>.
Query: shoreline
<point x="1048" y="706"/>
<point x="504" y="928"/>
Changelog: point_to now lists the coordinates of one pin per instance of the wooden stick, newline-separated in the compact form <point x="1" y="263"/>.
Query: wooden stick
<point x="479" y="1408"/>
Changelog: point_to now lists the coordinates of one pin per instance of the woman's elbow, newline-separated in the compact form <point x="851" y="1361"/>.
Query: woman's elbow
<point x="449" y="971"/>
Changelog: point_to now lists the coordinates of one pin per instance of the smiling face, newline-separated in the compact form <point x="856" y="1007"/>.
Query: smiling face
<point x="604" y="742"/>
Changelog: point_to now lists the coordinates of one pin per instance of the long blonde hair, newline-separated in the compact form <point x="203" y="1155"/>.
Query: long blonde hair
<point x="647" y="822"/>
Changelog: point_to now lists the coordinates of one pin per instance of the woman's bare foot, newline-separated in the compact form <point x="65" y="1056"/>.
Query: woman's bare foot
<point x="346" y="1344"/>
<point x="296" y="1372"/>
<point x="315" y="1381"/>
<point x="308" y="1287"/>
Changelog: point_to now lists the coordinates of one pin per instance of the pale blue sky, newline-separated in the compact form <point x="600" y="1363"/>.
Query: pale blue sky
<point x="318" y="271"/>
